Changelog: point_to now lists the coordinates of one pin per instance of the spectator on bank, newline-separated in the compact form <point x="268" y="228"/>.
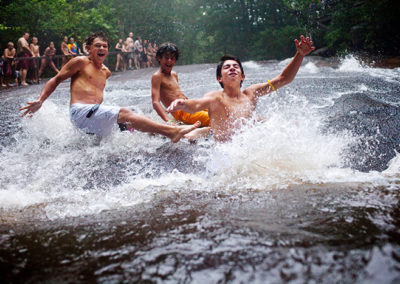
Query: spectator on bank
<point x="130" y="49"/>
<point x="155" y="62"/>
<point x="73" y="47"/>
<point x="65" y="51"/>
<point x="145" y="55"/>
<point x="151" y="54"/>
<point x="138" y="48"/>
<point x="8" y="58"/>
<point x="35" y="62"/>
<point x="125" y="54"/>
<point x="49" y="52"/>
<point x="120" y="59"/>
<point x="1" y="71"/>
<point x="23" y="51"/>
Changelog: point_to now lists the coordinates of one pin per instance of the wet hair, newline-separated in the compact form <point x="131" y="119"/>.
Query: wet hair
<point x="221" y="63"/>
<point x="101" y="35"/>
<point x="167" y="48"/>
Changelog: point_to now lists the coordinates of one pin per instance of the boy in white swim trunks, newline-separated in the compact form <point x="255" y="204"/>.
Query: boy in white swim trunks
<point x="88" y="79"/>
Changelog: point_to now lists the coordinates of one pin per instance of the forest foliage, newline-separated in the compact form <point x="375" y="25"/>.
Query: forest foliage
<point x="206" y="29"/>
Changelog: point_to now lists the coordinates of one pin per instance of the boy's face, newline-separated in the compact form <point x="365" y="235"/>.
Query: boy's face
<point x="230" y="71"/>
<point x="98" y="50"/>
<point x="167" y="62"/>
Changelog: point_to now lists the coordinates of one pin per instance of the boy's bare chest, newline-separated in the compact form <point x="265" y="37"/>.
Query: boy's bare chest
<point x="237" y="108"/>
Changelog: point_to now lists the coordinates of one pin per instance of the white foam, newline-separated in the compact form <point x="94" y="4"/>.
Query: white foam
<point x="54" y="166"/>
<point x="251" y="64"/>
<point x="351" y="64"/>
<point x="310" y="67"/>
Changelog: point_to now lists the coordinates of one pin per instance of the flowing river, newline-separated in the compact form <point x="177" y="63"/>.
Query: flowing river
<point x="310" y="195"/>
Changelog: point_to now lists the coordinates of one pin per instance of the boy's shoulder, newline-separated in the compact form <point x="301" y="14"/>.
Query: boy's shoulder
<point x="157" y="74"/>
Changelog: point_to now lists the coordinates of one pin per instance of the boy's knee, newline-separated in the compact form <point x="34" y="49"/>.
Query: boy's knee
<point x="124" y="114"/>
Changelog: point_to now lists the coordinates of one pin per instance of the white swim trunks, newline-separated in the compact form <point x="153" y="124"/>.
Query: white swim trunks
<point x="94" y="119"/>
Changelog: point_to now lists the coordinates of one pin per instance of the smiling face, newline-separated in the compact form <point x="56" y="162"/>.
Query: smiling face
<point x="98" y="50"/>
<point x="230" y="73"/>
<point x="167" y="62"/>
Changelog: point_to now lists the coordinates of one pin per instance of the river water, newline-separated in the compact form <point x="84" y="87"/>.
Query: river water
<point x="310" y="195"/>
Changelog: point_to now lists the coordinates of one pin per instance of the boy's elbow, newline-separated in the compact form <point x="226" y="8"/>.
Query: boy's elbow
<point x="285" y="80"/>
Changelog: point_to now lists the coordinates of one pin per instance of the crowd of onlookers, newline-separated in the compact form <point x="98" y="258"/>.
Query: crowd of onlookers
<point x="23" y="64"/>
<point x="135" y="54"/>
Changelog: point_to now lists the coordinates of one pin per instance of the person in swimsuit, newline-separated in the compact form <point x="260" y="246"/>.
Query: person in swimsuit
<point x="120" y="60"/>
<point x="88" y="79"/>
<point x="129" y="44"/>
<point x="229" y="107"/>
<point x="165" y="88"/>
<point x="23" y="51"/>
<point x="35" y="62"/>
<point x="1" y="71"/>
<point x="8" y="55"/>
<point x="65" y="51"/>
<point x="49" y="52"/>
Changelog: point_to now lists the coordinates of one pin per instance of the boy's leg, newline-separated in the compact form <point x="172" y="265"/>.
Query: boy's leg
<point x="198" y="133"/>
<point x="145" y="124"/>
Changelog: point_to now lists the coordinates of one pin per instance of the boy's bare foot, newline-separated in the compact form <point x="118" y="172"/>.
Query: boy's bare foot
<point x="197" y="134"/>
<point x="182" y="130"/>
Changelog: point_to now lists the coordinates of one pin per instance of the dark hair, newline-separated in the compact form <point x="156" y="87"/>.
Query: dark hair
<point x="221" y="63"/>
<point x="167" y="48"/>
<point x="89" y="40"/>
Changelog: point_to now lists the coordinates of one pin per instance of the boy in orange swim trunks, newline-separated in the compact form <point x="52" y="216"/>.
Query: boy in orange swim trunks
<point x="165" y="88"/>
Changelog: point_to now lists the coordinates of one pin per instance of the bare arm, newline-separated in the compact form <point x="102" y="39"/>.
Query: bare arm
<point x="69" y="69"/>
<point x="192" y="105"/>
<point x="289" y="73"/>
<point x="156" y="97"/>
<point x="26" y="48"/>
<point x="8" y="54"/>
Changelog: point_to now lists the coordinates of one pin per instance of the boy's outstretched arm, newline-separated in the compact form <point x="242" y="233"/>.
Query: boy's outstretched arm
<point x="155" y="96"/>
<point x="303" y="47"/>
<point x="66" y="72"/>
<point x="191" y="106"/>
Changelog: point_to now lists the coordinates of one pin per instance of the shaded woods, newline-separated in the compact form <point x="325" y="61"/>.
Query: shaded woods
<point x="205" y="29"/>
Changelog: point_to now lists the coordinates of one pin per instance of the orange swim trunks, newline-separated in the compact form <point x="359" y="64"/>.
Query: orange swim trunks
<point x="191" y="118"/>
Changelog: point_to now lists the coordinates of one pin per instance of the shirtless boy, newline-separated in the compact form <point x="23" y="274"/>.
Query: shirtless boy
<point x="129" y="48"/>
<point x="88" y="79"/>
<point x="228" y="107"/>
<point x="49" y="52"/>
<point x="165" y="88"/>
<point x="35" y="53"/>
<point x="9" y="54"/>
<point x="23" y="50"/>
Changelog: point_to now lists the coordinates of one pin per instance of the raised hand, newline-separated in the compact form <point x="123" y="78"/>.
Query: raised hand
<point x="304" y="46"/>
<point x="31" y="107"/>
